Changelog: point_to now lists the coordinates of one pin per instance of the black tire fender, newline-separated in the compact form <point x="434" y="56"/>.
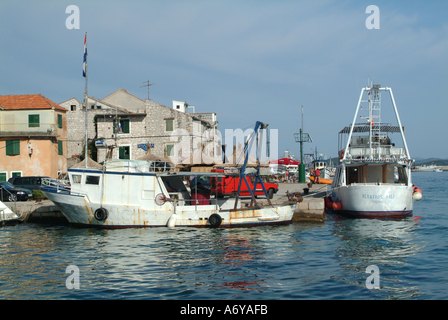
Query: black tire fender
<point x="215" y="220"/>
<point x="101" y="214"/>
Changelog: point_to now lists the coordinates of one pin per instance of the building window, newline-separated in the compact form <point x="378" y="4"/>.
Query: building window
<point x="12" y="147"/>
<point x="60" y="120"/>
<point x="124" y="153"/>
<point x="33" y="120"/>
<point x="16" y="174"/>
<point x="3" y="176"/>
<point x="73" y="107"/>
<point x="60" y="150"/>
<point x="169" y="125"/>
<point x="123" y="126"/>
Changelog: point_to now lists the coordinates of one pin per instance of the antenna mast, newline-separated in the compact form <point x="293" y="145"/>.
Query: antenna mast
<point x="147" y="84"/>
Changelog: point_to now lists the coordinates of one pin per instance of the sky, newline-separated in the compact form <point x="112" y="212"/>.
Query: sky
<point x="246" y="60"/>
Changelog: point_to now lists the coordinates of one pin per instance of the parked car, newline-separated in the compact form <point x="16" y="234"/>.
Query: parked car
<point x="31" y="183"/>
<point x="9" y="192"/>
<point x="228" y="186"/>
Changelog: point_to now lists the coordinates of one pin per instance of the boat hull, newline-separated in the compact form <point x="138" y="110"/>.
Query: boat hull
<point x="374" y="201"/>
<point x="322" y="180"/>
<point x="80" y="212"/>
<point x="8" y="217"/>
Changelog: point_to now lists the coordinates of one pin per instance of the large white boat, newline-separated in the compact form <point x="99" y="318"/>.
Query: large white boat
<point x="373" y="178"/>
<point x="133" y="193"/>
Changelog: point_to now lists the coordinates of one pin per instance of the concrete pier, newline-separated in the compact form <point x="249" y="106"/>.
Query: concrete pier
<point x="32" y="211"/>
<point x="312" y="207"/>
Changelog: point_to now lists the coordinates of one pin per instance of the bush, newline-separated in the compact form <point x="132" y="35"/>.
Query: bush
<point x="38" y="194"/>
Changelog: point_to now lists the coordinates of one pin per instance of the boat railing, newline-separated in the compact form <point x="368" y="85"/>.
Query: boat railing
<point x="55" y="185"/>
<point x="198" y="202"/>
<point x="137" y="166"/>
<point x="377" y="183"/>
<point x="381" y="153"/>
<point x="14" y="197"/>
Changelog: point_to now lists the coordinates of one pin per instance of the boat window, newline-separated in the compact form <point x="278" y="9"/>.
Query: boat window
<point x="352" y="175"/>
<point x="174" y="184"/>
<point x="76" y="178"/>
<point x="336" y="181"/>
<point x="402" y="175"/>
<point x="92" y="179"/>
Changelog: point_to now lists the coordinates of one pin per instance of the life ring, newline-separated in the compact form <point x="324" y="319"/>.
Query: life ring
<point x="342" y="154"/>
<point x="101" y="214"/>
<point x="215" y="220"/>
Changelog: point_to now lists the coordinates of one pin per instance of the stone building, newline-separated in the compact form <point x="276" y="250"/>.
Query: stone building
<point x="123" y="125"/>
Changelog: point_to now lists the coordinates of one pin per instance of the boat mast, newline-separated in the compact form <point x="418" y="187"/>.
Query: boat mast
<point x="399" y="122"/>
<point x="85" y="101"/>
<point x="353" y="124"/>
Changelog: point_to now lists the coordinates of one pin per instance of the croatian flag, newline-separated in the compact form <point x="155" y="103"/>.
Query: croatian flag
<point x="84" y="64"/>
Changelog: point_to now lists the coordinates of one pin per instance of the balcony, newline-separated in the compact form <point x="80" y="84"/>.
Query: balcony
<point x="27" y="129"/>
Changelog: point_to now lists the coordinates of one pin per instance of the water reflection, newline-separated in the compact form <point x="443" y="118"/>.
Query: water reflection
<point x="317" y="261"/>
<point x="387" y="244"/>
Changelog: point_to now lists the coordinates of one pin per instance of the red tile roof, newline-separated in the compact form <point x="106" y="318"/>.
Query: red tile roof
<point x="27" y="102"/>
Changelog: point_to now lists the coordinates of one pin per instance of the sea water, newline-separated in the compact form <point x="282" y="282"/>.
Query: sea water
<point x="338" y="259"/>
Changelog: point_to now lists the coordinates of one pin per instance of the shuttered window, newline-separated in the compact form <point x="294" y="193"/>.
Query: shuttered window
<point x="169" y="149"/>
<point x="12" y="147"/>
<point x="60" y="150"/>
<point x="60" y="120"/>
<point x="124" y="153"/>
<point x="123" y="126"/>
<point x="169" y="125"/>
<point x="33" y="120"/>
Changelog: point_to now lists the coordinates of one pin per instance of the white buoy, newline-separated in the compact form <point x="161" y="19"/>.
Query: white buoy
<point x="417" y="196"/>
<point x="172" y="221"/>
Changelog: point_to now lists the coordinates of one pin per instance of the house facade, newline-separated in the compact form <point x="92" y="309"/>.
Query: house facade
<point x="123" y="126"/>
<point x="33" y="137"/>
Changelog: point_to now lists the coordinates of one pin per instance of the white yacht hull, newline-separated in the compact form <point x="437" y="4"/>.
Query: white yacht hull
<point x="373" y="201"/>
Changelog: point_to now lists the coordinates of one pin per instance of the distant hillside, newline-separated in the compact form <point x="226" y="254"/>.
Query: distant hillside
<point x="435" y="161"/>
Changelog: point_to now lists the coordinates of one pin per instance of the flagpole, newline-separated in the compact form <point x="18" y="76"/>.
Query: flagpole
<point x="85" y="97"/>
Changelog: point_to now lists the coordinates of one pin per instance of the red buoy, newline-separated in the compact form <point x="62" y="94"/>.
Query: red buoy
<point x="337" y="205"/>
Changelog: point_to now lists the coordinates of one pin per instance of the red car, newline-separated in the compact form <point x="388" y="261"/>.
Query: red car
<point x="228" y="186"/>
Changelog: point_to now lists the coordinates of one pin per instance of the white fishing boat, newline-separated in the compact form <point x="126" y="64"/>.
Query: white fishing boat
<point x="7" y="216"/>
<point x="373" y="178"/>
<point x="133" y="193"/>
